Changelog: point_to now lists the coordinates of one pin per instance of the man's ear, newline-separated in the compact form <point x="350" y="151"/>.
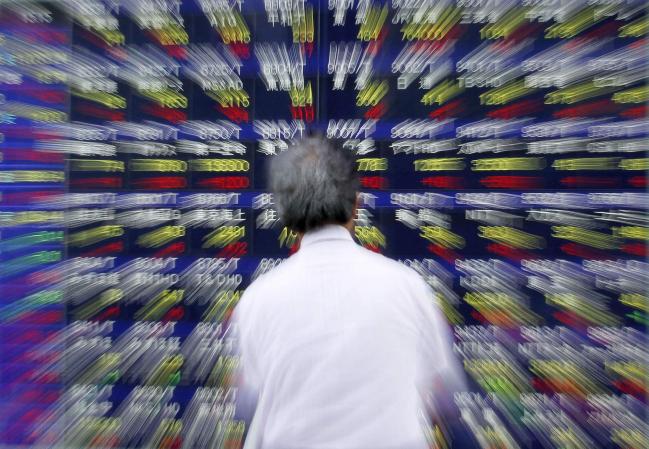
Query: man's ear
<point x="352" y="220"/>
<point x="357" y="205"/>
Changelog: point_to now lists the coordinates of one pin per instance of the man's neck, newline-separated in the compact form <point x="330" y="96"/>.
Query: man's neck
<point x="349" y="226"/>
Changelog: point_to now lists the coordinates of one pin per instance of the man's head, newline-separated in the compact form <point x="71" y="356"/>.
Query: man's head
<point x="314" y="184"/>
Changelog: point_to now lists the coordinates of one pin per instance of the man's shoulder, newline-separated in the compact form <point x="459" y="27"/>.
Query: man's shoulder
<point x="362" y="263"/>
<point x="391" y="267"/>
<point x="276" y="274"/>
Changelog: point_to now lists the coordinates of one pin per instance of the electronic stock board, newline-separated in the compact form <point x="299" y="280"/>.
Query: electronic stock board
<point x="502" y="152"/>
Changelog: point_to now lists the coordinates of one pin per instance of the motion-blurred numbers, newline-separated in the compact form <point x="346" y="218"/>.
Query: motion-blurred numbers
<point x="502" y="148"/>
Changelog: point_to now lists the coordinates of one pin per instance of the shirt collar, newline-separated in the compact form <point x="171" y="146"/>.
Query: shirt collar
<point x="326" y="233"/>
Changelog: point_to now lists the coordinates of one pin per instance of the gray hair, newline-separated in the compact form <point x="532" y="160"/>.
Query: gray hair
<point x="313" y="184"/>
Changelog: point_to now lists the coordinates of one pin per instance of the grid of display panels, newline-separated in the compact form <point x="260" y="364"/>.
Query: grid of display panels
<point x="502" y="153"/>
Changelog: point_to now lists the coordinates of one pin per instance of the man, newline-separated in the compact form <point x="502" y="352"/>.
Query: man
<point x="340" y="344"/>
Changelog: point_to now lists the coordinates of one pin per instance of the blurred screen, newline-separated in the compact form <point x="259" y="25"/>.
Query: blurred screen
<point x="502" y="152"/>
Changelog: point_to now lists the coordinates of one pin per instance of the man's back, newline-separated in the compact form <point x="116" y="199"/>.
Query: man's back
<point x="338" y="341"/>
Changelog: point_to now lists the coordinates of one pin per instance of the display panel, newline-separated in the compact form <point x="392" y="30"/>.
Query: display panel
<point x="502" y="153"/>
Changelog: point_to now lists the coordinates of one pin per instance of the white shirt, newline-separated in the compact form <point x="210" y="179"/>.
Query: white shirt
<point x="339" y="343"/>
